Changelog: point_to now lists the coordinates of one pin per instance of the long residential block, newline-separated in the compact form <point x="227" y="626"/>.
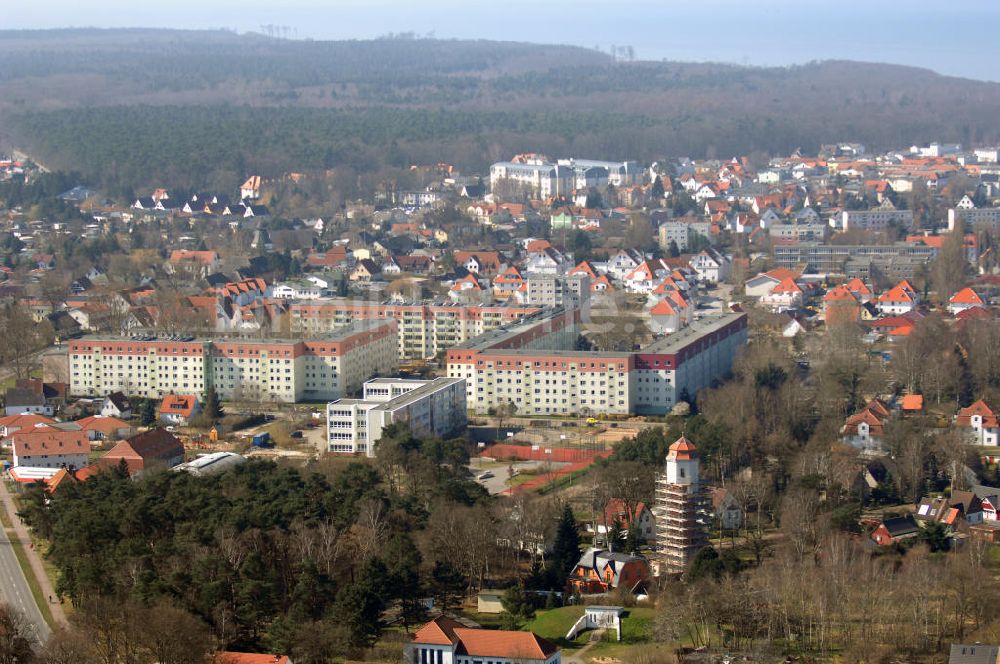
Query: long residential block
<point x="316" y="369"/>
<point x="424" y="329"/>
<point x="531" y="366"/>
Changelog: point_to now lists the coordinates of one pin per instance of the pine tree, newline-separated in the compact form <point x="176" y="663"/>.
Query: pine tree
<point x="447" y="585"/>
<point x="566" y="550"/>
<point x="147" y="413"/>
<point x="213" y="409"/>
<point x="517" y="608"/>
<point x="657" y="192"/>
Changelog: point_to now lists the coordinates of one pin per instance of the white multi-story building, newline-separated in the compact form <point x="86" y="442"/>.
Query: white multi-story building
<point x="558" y="291"/>
<point x="525" y="365"/>
<point x="429" y="407"/>
<point x="878" y="219"/>
<point x="538" y="178"/>
<point x="424" y="329"/>
<point x="321" y="368"/>
<point x="597" y="173"/>
<point x="298" y="290"/>
<point x="974" y="217"/>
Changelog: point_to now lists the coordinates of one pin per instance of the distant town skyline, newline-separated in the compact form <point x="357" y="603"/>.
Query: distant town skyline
<point x="954" y="39"/>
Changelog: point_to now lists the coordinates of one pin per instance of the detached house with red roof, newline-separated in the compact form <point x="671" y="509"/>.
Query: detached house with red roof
<point x="865" y="428"/>
<point x="763" y="283"/>
<point x="981" y="422"/>
<point x="963" y="300"/>
<point x="783" y="297"/>
<point x="446" y="641"/>
<point x="179" y="408"/>
<point x="899" y="299"/>
<point x="641" y="517"/>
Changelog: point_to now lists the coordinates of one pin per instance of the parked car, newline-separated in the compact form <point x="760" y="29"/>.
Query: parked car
<point x="485" y="476"/>
<point x="296" y="434"/>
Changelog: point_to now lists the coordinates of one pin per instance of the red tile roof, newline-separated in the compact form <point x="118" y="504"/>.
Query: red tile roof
<point x="682" y="450"/>
<point x="249" y="658"/>
<point x="178" y="404"/>
<point x="980" y="408"/>
<point x="485" y="643"/>
<point x="50" y="442"/>
<point x="966" y="296"/>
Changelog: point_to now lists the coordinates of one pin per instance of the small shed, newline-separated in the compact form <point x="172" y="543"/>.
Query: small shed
<point x="489" y="601"/>
<point x="599" y="617"/>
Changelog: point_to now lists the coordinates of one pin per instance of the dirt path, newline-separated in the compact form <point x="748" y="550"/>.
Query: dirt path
<point x="595" y="638"/>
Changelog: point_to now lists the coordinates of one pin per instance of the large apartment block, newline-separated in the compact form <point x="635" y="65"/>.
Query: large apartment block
<point x="556" y="290"/>
<point x="530" y="365"/>
<point x="974" y="218"/>
<point x="424" y="329"/>
<point x="428" y="407"/>
<point x="836" y="258"/>
<point x="878" y="219"/>
<point x="320" y="368"/>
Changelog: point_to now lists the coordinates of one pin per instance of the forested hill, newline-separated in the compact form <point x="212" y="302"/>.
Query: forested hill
<point x="138" y="107"/>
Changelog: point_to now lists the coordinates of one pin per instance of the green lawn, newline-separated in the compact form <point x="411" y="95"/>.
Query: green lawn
<point x="553" y="624"/>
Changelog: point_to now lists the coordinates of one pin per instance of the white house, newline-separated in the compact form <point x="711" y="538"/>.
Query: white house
<point x="117" y="405"/>
<point x="784" y="296"/>
<point x="979" y="418"/>
<point x="964" y="299"/>
<point x="711" y="266"/>
<point x="899" y="299"/>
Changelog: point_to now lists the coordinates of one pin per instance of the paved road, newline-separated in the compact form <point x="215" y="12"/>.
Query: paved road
<point x="14" y="588"/>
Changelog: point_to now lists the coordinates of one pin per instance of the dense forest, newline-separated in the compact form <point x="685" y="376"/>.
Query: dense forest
<point x="136" y="108"/>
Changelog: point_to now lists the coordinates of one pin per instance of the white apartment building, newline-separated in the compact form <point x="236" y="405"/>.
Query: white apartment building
<point x="539" y="178"/>
<point x="317" y="369"/>
<point x="430" y="408"/>
<point x="558" y="291"/>
<point x="975" y="217"/>
<point x="878" y="219"/>
<point x="424" y="329"/>
<point x="526" y="365"/>
<point x="597" y="173"/>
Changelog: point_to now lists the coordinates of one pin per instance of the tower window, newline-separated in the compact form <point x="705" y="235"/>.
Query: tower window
<point x="683" y="472"/>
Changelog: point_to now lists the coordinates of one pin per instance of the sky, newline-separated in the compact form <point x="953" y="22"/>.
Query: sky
<point x="957" y="37"/>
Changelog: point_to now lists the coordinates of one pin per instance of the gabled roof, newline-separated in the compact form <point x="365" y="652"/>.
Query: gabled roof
<point x="102" y="424"/>
<point x="980" y="408"/>
<point x="966" y="296"/>
<point x="24" y="421"/>
<point x="896" y="294"/>
<point x="229" y="657"/>
<point x="438" y="632"/>
<point x="178" y="404"/>
<point x="912" y="402"/>
<point x="663" y="308"/>
<point x="501" y="644"/>
<point x="47" y="441"/>
<point x="584" y="268"/>
<point x="901" y="525"/>
<point x="787" y="285"/>
<point x="152" y="444"/>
